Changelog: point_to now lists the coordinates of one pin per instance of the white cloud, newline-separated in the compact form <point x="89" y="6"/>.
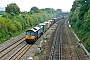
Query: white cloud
<point x="65" y="5"/>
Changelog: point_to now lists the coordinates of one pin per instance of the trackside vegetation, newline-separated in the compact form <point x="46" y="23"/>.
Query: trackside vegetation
<point x="80" y="20"/>
<point x="14" y="22"/>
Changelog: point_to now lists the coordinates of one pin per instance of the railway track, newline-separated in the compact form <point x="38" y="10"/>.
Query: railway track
<point x="65" y="46"/>
<point x="11" y="42"/>
<point x="56" y="44"/>
<point x="6" y="52"/>
<point x="16" y="49"/>
<point x="20" y="53"/>
<point x="33" y="50"/>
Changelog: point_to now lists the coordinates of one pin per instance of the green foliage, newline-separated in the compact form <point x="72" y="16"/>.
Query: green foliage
<point x="58" y="12"/>
<point x="46" y="39"/>
<point x="50" y="10"/>
<point x="34" y="10"/>
<point x="14" y="24"/>
<point x="75" y="5"/>
<point x="1" y="12"/>
<point x="80" y="20"/>
<point x="12" y="9"/>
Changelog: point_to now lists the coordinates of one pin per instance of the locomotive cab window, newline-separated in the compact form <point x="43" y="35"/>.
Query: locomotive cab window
<point x="32" y="33"/>
<point x="28" y="33"/>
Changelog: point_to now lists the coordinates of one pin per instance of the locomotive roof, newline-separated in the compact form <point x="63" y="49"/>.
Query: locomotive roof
<point x="31" y="30"/>
<point x="39" y="26"/>
<point x="34" y="29"/>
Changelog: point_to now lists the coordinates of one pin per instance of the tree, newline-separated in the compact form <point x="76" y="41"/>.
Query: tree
<point x="50" y="10"/>
<point x="74" y="6"/>
<point x="79" y="18"/>
<point x="58" y="12"/>
<point x="12" y="9"/>
<point x="34" y="10"/>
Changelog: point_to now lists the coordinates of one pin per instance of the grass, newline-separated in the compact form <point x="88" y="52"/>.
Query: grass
<point x="7" y="37"/>
<point x="46" y="39"/>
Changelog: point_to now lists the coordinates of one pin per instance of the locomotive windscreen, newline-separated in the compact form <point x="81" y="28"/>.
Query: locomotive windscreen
<point x="30" y="33"/>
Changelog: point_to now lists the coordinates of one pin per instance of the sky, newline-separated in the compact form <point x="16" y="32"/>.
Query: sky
<point x="26" y="5"/>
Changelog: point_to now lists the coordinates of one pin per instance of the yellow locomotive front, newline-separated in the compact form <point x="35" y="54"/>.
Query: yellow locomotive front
<point x="30" y="36"/>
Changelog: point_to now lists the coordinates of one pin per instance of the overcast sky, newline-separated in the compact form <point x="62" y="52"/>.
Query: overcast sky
<point x="25" y="5"/>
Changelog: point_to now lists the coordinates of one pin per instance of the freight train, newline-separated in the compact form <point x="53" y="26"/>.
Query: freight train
<point x="34" y="33"/>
